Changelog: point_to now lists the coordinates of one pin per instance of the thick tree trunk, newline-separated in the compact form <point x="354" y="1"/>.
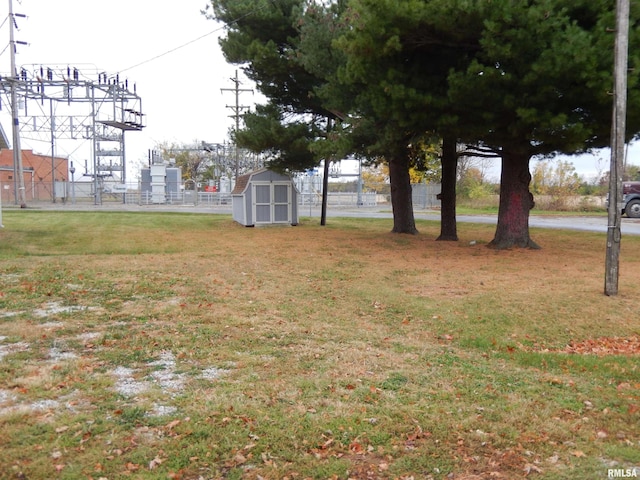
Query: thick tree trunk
<point x="448" y="226"/>
<point x="515" y="203"/>
<point x="401" y="199"/>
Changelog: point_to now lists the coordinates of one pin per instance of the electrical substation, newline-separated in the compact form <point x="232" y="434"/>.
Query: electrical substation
<point x="65" y="103"/>
<point x="55" y="104"/>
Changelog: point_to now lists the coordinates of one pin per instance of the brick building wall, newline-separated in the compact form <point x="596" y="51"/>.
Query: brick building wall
<point x="39" y="174"/>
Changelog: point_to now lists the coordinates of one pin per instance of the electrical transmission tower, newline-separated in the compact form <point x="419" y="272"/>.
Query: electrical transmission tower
<point x="62" y="102"/>
<point x="237" y="113"/>
<point x="228" y="159"/>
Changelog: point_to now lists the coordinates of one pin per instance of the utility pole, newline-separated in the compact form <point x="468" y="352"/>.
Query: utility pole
<point x="617" y="148"/>
<point x="18" y="171"/>
<point x="237" y="110"/>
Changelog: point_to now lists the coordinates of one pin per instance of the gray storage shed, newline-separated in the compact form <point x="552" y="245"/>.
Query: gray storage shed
<point x="264" y="197"/>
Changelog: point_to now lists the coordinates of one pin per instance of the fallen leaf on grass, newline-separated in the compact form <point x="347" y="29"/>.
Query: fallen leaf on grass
<point x="327" y="443"/>
<point x="239" y="459"/>
<point x="172" y="425"/>
<point x="528" y="468"/>
<point x="578" y="453"/>
<point x="266" y="458"/>
<point x="606" y="346"/>
<point x="356" y="448"/>
<point x="155" y="462"/>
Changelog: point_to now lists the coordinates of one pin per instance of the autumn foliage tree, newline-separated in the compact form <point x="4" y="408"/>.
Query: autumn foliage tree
<point x="193" y="161"/>
<point x="558" y="181"/>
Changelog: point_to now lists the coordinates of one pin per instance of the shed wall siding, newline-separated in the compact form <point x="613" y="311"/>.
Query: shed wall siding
<point x="238" y="209"/>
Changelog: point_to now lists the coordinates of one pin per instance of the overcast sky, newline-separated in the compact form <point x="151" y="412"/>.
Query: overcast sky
<point x="167" y="48"/>
<point x="170" y="51"/>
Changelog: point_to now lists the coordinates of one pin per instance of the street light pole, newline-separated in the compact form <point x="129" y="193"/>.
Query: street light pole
<point x="618" y="129"/>
<point x="73" y="185"/>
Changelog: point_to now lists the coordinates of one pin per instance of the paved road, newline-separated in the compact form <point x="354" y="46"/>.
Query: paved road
<point x="630" y="226"/>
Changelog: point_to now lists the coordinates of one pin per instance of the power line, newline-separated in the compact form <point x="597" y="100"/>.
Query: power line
<point x="171" y="51"/>
<point x="168" y="52"/>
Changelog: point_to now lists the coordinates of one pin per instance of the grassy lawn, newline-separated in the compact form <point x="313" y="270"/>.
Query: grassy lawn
<point x="462" y="210"/>
<point x="185" y="346"/>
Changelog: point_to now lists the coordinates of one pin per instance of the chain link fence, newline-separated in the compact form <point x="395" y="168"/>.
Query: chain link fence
<point x="425" y="196"/>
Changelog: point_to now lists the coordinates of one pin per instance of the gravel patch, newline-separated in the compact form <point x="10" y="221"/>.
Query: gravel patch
<point x="126" y="384"/>
<point x="13" y="348"/>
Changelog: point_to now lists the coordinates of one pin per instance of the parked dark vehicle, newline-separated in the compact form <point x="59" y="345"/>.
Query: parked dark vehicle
<point x="631" y="199"/>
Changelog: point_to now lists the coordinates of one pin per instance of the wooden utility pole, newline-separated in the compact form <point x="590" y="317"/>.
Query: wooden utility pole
<point x="237" y="113"/>
<point x="18" y="171"/>
<point x="618" y="129"/>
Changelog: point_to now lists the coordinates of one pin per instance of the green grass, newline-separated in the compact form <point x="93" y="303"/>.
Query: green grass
<point x="150" y="346"/>
<point x="464" y="210"/>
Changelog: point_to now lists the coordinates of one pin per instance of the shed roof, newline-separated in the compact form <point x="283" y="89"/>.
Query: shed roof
<point x="241" y="183"/>
<point x="243" y="180"/>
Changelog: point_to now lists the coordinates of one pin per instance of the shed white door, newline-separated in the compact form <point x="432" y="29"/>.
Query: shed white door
<point x="272" y="202"/>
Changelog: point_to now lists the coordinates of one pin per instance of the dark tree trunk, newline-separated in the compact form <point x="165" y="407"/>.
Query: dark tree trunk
<point x="515" y="203"/>
<point x="325" y="181"/>
<point x="401" y="198"/>
<point x="325" y="192"/>
<point x="448" y="226"/>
